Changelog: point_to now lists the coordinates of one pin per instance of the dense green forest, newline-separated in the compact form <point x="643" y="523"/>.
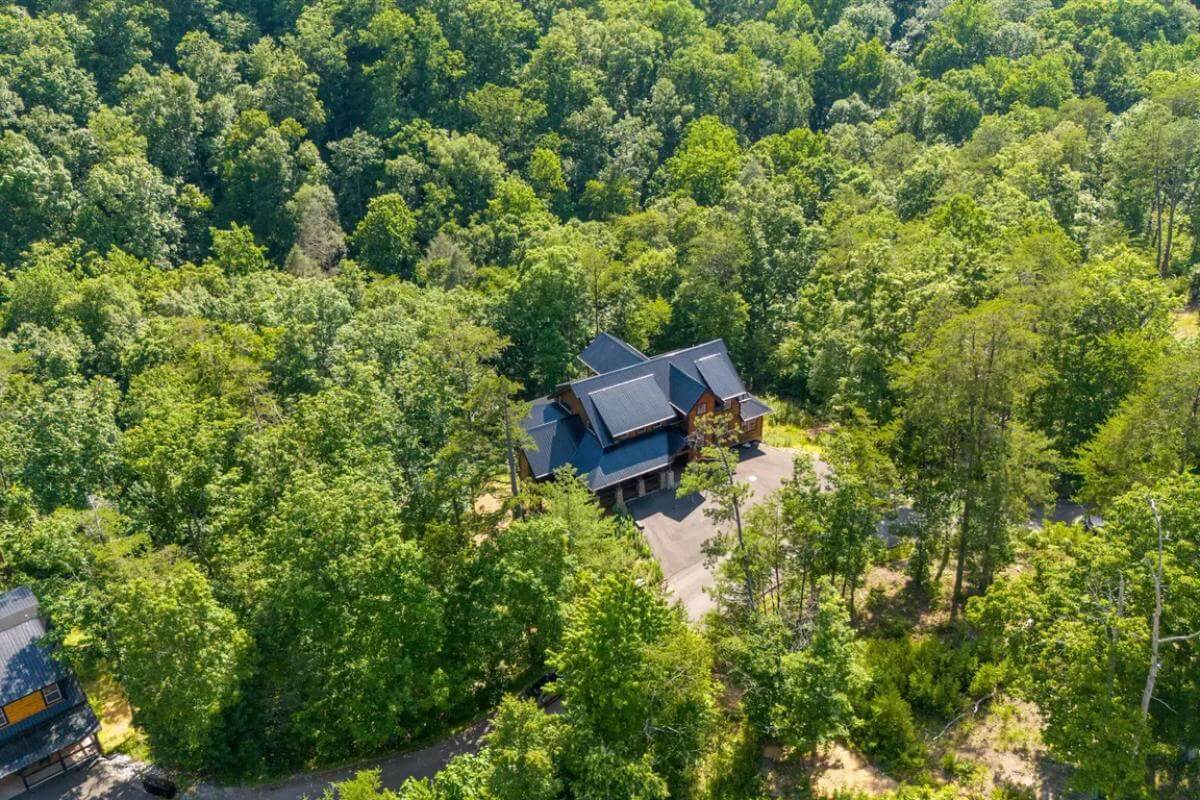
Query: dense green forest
<point x="278" y="277"/>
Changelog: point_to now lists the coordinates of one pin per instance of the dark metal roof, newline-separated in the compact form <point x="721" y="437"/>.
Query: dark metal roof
<point x="633" y="404"/>
<point x="753" y="408"/>
<point x="607" y="352"/>
<point x="603" y="468"/>
<point x="659" y="367"/>
<point x="25" y="666"/>
<point x="543" y="410"/>
<point x="720" y="376"/>
<point x="17" y="606"/>
<point x="54" y="734"/>
<point x="684" y="391"/>
<point x="554" y="444"/>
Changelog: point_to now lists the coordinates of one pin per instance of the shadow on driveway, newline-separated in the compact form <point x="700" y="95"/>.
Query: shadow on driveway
<point x="676" y="528"/>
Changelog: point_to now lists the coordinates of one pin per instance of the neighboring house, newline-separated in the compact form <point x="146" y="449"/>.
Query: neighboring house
<point x="628" y="428"/>
<point x="46" y="725"/>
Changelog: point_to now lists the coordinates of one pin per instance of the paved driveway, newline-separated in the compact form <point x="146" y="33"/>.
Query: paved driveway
<point x="113" y="778"/>
<point x="676" y="528"/>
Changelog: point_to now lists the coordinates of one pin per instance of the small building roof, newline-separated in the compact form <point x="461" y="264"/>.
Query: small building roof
<point x="607" y="353"/>
<point x="753" y="408"/>
<point x="633" y="404"/>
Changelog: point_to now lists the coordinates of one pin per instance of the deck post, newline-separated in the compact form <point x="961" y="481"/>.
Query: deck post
<point x="641" y="486"/>
<point x="620" y="497"/>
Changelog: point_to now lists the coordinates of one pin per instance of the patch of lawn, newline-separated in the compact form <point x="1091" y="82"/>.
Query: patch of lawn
<point x="117" y="731"/>
<point x="1186" y="323"/>
<point x="789" y="426"/>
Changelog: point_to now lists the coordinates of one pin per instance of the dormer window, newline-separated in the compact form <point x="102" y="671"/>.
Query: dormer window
<point x="51" y="694"/>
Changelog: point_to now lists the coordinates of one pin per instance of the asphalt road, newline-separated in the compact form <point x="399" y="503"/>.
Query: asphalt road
<point x="116" y="778"/>
<point x="676" y="528"/>
<point x="394" y="770"/>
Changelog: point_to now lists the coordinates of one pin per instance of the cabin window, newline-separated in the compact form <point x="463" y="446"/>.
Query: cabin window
<point x="52" y="694"/>
<point x="701" y="409"/>
<point x="747" y="425"/>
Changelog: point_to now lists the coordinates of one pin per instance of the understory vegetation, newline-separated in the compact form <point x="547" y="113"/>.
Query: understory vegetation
<point x="278" y="280"/>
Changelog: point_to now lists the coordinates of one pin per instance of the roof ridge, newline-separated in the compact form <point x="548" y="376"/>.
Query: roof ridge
<point x="649" y="360"/>
<point x="621" y="383"/>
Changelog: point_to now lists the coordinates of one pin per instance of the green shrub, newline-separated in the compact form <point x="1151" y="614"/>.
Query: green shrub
<point x="889" y="733"/>
<point x="939" y="675"/>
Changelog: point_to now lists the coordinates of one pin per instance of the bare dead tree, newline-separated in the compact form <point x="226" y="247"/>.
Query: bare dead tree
<point x="1156" y="640"/>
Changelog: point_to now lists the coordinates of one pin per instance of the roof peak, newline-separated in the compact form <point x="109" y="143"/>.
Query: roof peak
<point x="649" y="360"/>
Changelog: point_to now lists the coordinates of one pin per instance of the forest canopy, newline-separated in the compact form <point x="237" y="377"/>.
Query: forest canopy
<point x="279" y="278"/>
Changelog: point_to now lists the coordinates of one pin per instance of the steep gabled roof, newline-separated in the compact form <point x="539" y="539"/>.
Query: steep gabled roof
<point x="684" y="391"/>
<point x="603" y="468"/>
<point x="721" y="377"/>
<point x="659" y="367"/>
<point x="543" y="410"/>
<point x="607" y="353"/>
<point x="555" y="442"/>
<point x="25" y="666"/>
<point x="630" y="405"/>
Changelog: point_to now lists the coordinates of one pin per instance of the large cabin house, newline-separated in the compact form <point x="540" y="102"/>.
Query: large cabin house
<point x="627" y="428"/>
<point x="46" y="725"/>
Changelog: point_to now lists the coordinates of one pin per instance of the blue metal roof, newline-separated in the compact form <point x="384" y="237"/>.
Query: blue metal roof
<point x="607" y="352"/>
<point x="753" y="408"/>
<point x="720" y="376"/>
<point x="17" y="605"/>
<point x="633" y="404"/>
<point x="25" y="666"/>
<point x="554" y="444"/>
<point x="34" y="744"/>
<point x="603" y="468"/>
<point x="684" y="391"/>
<point x="543" y="410"/>
<point x="659" y="367"/>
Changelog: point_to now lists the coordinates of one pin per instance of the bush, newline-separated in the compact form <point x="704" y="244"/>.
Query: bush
<point x="889" y="732"/>
<point x="938" y="675"/>
<point x="930" y="674"/>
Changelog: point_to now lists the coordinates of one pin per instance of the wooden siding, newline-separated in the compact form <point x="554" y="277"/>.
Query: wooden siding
<point x="754" y="434"/>
<point x="709" y="401"/>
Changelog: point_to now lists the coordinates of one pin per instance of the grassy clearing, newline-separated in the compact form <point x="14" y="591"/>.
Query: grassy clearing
<point x="790" y="426"/>
<point x="118" y="734"/>
<point x="1186" y="323"/>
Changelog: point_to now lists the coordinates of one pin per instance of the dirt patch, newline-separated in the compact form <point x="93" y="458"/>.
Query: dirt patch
<point x="893" y="601"/>
<point x="839" y="769"/>
<point x="1003" y="747"/>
